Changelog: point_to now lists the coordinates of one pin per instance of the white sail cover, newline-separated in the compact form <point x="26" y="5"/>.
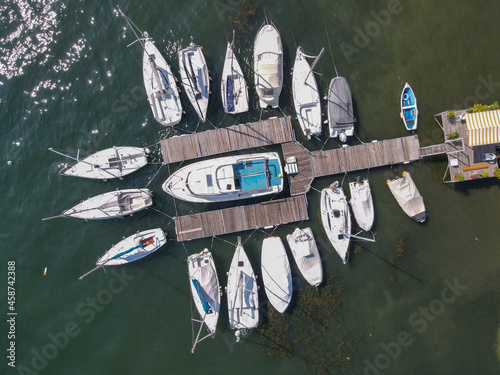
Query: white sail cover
<point x="276" y="273"/>
<point x="205" y="287"/>
<point x="408" y="197"/>
<point x="306" y="255"/>
<point x="242" y="293"/>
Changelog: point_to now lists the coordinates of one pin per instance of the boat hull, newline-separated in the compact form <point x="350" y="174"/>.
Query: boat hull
<point x="340" y="109"/>
<point x="306" y="255"/>
<point x="276" y="273"/>
<point x="242" y="293"/>
<point x="111" y="205"/>
<point x="336" y="220"/>
<point x="115" y="162"/>
<point x="268" y="66"/>
<point x="234" y="88"/>
<point x="151" y="241"/>
<point x="409" y="109"/>
<point x="227" y="178"/>
<point x="195" y="78"/>
<point x="204" y="285"/>
<point x="306" y="96"/>
<point x="159" y="82"/>
<point x="362" y="204"/>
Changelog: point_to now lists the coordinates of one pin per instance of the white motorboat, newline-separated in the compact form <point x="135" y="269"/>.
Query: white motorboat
<point x="409" y="109"/>
<point x="205" y="292"/>
<point x="276" y="273"/>
<point x="133" y="248"/>
<point x="336" y="219"/>
<point x="306" y="96"/>
<point x="114" y="162"/>
<point x="268" y="65"/>
<point x="227" y="178"/>
<point x="408" y="197"/>
<point x="242" y="293"/>
<point x="161" y="89"/>
<point x="234" y="88"/>
<point x="306" y="255"/>
<point x="362" y="203"/>
<point x="194" y="78"/>
<point x="159" y="82"/>
<point x="340" y="110"/>
<point x="110" y="205"/>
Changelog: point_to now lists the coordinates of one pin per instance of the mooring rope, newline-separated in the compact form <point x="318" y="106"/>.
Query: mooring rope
<point x="159" y="169"/>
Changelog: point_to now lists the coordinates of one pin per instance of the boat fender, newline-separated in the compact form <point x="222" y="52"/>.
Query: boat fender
<point x="237" y="334"/>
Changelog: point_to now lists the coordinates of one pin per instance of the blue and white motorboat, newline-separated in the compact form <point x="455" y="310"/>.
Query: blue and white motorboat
<point x="409" y="110"/>
<point x="227" y="178"/>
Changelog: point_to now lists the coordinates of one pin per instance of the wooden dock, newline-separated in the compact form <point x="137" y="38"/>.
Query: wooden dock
<point x="232" y="138"/>
<point x="348" y="159"/>
<point x="241" y="218"/>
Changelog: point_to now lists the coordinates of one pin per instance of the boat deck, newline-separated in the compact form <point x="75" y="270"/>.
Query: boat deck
<point x="241" y="218"/>
<point x="232" y="138"/>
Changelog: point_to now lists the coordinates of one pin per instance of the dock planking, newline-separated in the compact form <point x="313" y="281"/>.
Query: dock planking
<point x="232" y="138"/>
<point x="241" y="218"/>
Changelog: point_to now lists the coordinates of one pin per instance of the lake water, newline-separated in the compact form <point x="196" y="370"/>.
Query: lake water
<point x="68" y="81"/>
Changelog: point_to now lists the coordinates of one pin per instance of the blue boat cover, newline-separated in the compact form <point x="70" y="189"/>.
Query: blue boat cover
<point x="204" y="303"/>
<point x="230" y="94"/>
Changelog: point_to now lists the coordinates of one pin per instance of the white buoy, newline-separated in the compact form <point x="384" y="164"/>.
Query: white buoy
<point x="45" y="272"/>
<point x="237" y="334"/>
<point x="9" y="162"/>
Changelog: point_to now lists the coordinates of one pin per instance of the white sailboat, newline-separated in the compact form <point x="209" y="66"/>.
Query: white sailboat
<point x="276" y="273"/>
<point x="194" y="78"/>
<point x="114" y="162"/>
<point x="268" y="65"/>
<point x="340" y="109"/>
<point x="110" y="205"/>
<point x="408" y="197"/>
<point x="159" y="82"/>
<point x="205" y="292"/>
<point x="362" y="203"/>
<point x="306" y="95"/>
<point x="306" y="255"/>
<point x="242" y="293"/>
<point x="132" y="248"/>
<point x="227" y="178"/>
<point x="336" y="219"/>
<point x="234" y="88"/>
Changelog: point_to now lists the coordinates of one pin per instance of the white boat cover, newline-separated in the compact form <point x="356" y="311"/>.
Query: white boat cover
<point x="133" y="248"/>
<point x="408" y="197"/>
<point x="362" y="204"/>
<point x="336" y="219"/>
<point x="242" y="293"/>
<point x="159" y="82"/>
<point x="110" y="205"/>
<point x="306" y="255"/>
<point x="205" y="287"/>
<point x="276" y="273"/>
<point x="114" y="162"/>
<point x="306" y="96"/>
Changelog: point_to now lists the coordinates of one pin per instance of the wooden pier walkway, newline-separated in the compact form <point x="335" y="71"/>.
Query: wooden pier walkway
<point x="232" y="138"/>
<point x="348" y="159"/>
<point x="241" y="218"/>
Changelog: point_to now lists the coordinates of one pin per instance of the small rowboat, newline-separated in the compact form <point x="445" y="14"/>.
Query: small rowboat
<point x="409" y="110"/>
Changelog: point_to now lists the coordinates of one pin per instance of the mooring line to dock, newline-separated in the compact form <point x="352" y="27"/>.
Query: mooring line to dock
<point x="250" y="235"/>
<point x="221" y="239"/>
<point x="210" y="122"/>
<point x="221" y="121"/>
<point x="331" y="53"/>
<point x="359" y="139"/>
<point x="161" y="212"/>
<point x="159" y="169"/>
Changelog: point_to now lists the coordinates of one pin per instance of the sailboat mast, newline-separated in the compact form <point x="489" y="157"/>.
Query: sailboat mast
<point x="314" y="63"/>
